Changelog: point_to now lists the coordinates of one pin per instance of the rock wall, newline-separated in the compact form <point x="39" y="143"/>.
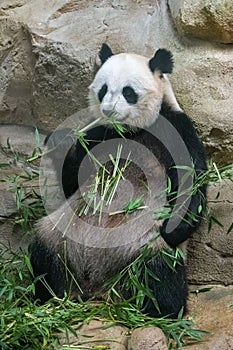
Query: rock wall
<point x="210" y="257"/>
<point x="48" y="51"/>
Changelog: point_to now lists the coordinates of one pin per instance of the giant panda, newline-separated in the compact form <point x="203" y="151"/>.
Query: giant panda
<point x="163" y="144"/>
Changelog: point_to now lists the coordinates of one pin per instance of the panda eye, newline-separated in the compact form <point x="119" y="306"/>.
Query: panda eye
<point x="130" y="95"/>
<point x="102" y="92"/>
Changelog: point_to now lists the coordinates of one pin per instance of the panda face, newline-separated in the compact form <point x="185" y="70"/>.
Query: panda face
<point x="126" y="88"/>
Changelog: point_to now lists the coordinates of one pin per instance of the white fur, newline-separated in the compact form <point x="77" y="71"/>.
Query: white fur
<point x="131" y="70"/>
<point x="169" y="95"/>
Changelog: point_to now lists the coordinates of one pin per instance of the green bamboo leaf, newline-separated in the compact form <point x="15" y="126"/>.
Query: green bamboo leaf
<point x="169" y="185"/>
<point x="230" y="228"/>
<point x="4" y="165"/>
<point x="28" y="263"/>
<point x="216" y="221"/>
<point x="8" y="144"/>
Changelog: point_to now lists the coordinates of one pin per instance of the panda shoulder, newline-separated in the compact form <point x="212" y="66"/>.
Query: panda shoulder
<point x="181" y="121"/>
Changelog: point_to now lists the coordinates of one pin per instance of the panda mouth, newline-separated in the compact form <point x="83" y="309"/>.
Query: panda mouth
<point x="121" y="117"/>
<point x="114" y="115"/>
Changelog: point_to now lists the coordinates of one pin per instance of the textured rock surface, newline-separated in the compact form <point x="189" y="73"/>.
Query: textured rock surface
<point x="16" y="73"/>
<point x="149" y="338"/>
<point x="203" y="83"/>
<point x="22" y="141"/>
<point x="21" y="138"/>
<point x="212" y="311"/>
<point x="64" y="37"/>
<point x="48" y="51"/>
<point x="16" y="145"/>
<point x="205" y="19"/>
<point x="210" y="258"/>
<point x="94" y="335"/>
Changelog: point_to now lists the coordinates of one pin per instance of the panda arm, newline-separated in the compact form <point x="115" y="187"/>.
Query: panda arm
<point x="66" y="151"/>
<point x="192" y="218"/>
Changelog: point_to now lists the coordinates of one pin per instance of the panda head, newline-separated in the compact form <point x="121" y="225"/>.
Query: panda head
<point x="129" y="86"/>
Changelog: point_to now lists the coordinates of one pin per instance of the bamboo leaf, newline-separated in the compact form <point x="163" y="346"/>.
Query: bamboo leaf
<point x="230" y="228"/>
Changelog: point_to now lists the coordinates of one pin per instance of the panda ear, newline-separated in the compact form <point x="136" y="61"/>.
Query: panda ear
<point x="162" y="61"/>
<point x="104" y="53"/>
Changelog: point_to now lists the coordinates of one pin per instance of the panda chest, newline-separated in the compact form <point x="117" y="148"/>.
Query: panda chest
<point x="114" y="210"/>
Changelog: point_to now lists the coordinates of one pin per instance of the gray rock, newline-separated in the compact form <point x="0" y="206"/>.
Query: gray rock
<point x="210" y="258"/>
<point x="205" y="92"/>
<point x="211" y="311"/>
<point x="12" y="163"/>
<point x="16" y="72"/>
<point x="22" y="139"/>
<point x="205" y="19"/>
<point x="48" y="53"/>
<point x="222" y="341"/>
<point x="60" y="49"/>
<point x="7" y="204"/>
<point x="148" y="338"/>
<point x="94" y="334"/>
<point x="12" y="237"/>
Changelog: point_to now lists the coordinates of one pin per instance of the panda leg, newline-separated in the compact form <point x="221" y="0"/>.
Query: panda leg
<point x="45" y="262"/>
<point x="171" y="291"/>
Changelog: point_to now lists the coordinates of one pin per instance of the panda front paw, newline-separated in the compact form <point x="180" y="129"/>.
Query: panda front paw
<point x="179" y="234"/>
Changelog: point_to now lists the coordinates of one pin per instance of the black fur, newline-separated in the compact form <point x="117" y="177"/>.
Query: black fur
<point x="105" y="53"/>
<point x="170" y="292"/>
<point x="130" y="95"/>
<point x="44" y="261"/>
<point x="63" y="142"/>
<point x="102" y="92"/>
<point x="161" y="61"/>
<point x="186" y="130"/>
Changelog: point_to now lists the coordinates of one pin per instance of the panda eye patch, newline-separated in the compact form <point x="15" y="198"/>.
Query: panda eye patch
<point x="130" y="95"/>
<point x="102" y="92"/>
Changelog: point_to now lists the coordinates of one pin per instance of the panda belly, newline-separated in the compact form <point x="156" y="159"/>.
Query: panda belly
<point x="95" y="250"/>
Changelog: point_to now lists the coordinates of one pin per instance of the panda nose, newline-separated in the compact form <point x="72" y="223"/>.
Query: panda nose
<point x="107" y="112"/>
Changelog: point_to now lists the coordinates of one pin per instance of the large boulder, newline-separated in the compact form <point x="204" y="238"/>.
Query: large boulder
<point x="64" y="38"/>
<point x="148" y="338"/>
<point x="210" y="258"/>
<point x="48" y="54"/>
<point x="16" y="73"/>
<point x="16" y="145"/>
<point x="97" y="334"/>
<point x="211" y="310"/>
<point x="205" y="19"/>
<point x="203" y="82"/>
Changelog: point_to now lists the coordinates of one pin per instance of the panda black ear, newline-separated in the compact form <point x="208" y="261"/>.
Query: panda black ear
<point x="162" y="61"/>
<point x="104" y="53"/>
